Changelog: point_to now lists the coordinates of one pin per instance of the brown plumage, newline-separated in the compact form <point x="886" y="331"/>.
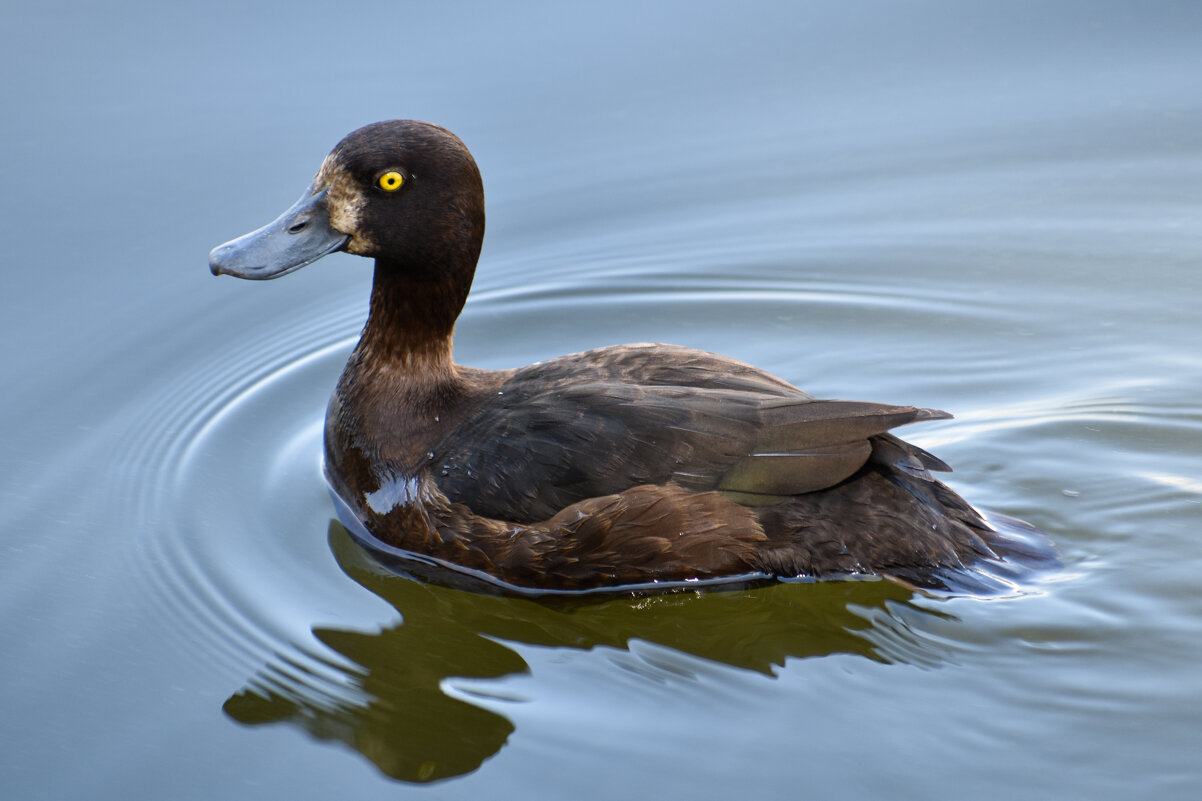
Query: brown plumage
<point x="616" y="466"/>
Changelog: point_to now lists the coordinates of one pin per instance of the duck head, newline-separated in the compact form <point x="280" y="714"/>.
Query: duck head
<point x="405" y="193"/>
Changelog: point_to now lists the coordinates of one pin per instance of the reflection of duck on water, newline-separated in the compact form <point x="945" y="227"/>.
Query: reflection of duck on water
<point x="628" y="464"/>
<point x="398" y="716"/>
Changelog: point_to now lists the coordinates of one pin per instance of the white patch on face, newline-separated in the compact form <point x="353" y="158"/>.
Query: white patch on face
<point x="345" y="201"/>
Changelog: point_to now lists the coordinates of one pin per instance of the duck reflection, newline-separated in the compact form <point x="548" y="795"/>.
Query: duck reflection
<point x="392" y="708"/>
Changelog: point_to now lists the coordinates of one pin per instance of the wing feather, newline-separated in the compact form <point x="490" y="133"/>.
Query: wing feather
<point x="604" y="421"/>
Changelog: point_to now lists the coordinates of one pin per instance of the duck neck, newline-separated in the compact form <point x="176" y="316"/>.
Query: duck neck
<point x="410" y="327"/>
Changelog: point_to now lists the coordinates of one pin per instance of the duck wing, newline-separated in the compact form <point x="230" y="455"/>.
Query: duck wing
<point x="604" y="421"/>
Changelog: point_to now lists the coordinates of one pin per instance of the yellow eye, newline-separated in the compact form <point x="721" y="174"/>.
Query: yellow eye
<point x="390" y="181"/>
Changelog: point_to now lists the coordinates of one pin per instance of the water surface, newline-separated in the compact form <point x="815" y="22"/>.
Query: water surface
<point x="992" y="211"/>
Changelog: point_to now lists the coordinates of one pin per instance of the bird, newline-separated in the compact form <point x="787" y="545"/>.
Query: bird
<point x="640" y="465"/>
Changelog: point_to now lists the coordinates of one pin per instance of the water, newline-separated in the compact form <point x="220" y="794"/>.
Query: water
<point x="993" y="211"/>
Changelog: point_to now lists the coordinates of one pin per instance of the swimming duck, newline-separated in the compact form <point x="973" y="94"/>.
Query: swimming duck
<point x="624" y="465"/>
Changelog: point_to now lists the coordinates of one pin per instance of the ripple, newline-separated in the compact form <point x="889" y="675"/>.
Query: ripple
<point x="227" y="458"/>
<point x="653" y="287"/>
<point x="241" y="562"/>
<point x="224" y="461"/>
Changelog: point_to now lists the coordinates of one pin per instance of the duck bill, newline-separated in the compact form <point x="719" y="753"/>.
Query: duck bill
<point x="299" y="236"/>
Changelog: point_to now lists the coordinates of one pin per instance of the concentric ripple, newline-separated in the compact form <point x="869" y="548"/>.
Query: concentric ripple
<point x="226" y="462"/>
<point x="228" y="469"/>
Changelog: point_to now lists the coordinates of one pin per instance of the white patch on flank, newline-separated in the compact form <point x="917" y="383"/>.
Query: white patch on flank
<point x="392" y="494"/>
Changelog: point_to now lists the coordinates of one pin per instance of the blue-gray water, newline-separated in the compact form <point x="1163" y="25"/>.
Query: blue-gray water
<point x="993" y="209"/>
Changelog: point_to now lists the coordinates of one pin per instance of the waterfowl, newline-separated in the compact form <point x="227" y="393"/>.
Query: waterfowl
<point x="618" y="466"/>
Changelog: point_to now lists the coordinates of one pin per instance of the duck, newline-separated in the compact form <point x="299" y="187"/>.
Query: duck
<point x="631" y="465"/>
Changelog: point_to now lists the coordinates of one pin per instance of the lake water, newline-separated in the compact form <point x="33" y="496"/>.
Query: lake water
<point x="993" y="209"/>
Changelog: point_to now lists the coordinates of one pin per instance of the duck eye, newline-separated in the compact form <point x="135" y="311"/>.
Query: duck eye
<point x="390" y="181"/>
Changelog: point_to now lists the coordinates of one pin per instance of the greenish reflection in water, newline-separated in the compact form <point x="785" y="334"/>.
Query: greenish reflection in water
<point x="400" y="718"/>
